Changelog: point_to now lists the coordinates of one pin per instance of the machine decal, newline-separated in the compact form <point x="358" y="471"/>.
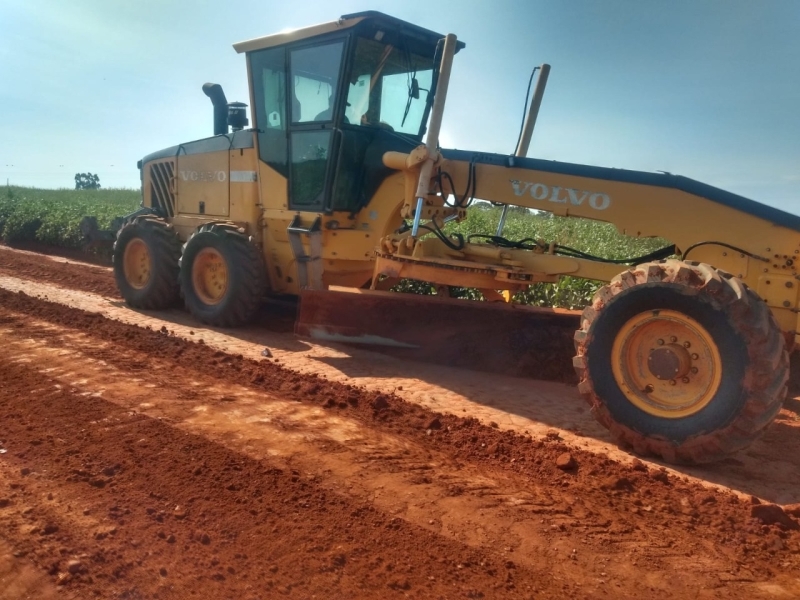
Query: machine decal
<point x="207" y="176"/>
<point x="243" y="176"/>
<point x="540" y="191"/>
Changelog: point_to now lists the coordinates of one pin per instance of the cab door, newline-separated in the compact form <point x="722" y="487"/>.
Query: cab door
<point x="314" y="76"/>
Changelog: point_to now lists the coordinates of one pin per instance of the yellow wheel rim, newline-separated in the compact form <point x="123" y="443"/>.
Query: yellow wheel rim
<point x="210" y="276"/>
<point x="666" y="364"/>
<point x="136" y="263"/>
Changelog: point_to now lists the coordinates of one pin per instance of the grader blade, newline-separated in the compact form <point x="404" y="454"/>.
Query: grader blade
<point x="496" y="337"/>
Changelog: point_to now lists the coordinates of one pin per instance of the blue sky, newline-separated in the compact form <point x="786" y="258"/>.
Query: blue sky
<point x="709" y="89"/>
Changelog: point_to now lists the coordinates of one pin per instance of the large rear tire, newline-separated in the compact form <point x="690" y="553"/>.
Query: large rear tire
<point x="146" y="254"/>
<point x="681" y="361"/>
<point x="222" y="275"/>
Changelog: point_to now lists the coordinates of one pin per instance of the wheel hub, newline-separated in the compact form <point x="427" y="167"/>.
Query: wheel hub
<point x="669" y="362"/>
<point x="210" y="276"/>
<point x="136" y="263"/>
<point x="666" y="364"/>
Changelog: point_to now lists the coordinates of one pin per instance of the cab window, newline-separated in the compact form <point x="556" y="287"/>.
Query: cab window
<point x="389" y="87"/>
<point x="315" y="78"/>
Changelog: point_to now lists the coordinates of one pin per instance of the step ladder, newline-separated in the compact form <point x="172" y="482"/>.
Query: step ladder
<point x="309" y="264"/>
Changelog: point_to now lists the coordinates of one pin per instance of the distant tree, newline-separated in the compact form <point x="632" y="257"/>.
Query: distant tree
<point x="87" y="181"/>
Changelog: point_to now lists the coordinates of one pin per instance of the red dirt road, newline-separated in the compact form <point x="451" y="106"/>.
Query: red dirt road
<point x="135" y="464"/>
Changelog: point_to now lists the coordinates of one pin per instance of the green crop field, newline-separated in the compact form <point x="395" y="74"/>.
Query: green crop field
<point x="52" y="217"/>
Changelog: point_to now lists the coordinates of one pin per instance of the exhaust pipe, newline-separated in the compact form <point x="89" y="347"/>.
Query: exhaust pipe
<point x="217" y="96"/>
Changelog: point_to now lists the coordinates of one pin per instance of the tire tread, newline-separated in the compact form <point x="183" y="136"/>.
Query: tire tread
<point x="767" y="374"/>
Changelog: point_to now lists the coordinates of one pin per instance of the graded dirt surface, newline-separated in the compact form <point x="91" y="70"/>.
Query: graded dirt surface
<point x="67" y="272"/>
<point x="140" y="462"/>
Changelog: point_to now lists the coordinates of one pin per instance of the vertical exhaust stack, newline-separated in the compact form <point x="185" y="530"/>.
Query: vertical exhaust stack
<point x="217" y="96"/>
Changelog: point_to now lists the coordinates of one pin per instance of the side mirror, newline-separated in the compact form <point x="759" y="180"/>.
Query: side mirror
<point x="414" y="91"/>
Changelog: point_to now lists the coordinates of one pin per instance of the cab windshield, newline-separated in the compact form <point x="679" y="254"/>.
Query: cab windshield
<point x="389" y="87"/>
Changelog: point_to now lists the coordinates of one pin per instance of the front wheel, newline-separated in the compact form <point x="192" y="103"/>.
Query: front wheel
<point x="146" y="254"/>
<point x="222" y="275"/>
<point x="681" y="362"/>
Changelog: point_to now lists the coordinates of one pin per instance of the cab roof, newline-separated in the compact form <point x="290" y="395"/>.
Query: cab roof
<point x="345" y="22"/>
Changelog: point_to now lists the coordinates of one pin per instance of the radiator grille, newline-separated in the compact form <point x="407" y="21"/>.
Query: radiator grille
<point x="161" y="187"/>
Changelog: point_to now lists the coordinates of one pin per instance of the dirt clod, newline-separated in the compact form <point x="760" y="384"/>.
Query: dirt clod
<point x="74" y="567"/>
<point x="49" y="529"/>
<point x="380" y="403"/>
<point x="772" y="514"/>
<point x="566" y="462"/>
<point x="434" y="423"/>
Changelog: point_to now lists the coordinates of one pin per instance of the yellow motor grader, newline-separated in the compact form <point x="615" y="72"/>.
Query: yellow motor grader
<point x="340" y="190"/>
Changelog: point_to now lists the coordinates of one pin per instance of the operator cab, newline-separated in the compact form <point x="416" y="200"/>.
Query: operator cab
<point x="329" y="100"/>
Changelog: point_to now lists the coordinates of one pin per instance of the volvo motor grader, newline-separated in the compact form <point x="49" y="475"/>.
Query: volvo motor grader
<point x="339" y="190"/>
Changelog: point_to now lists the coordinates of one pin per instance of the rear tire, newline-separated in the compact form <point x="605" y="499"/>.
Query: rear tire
<point x="680" y="361"/>
<point x="146" y="255"/>
<point x="222" y="275"/>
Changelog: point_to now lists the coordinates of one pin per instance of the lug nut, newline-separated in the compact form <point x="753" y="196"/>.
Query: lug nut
<point x="685" y="380"/>
<point x="695" y="356"/>
<point x="672" y="382"/>
<point x="673" y="339"/>
<point x="694" y="370"/>
<point x="648" y="389"/>
<point x="660" y="342"/>
<point x="687" y="344"/>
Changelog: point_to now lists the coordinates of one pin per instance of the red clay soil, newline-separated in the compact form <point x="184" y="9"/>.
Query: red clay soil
<point x="64" y="273"/>
<point x="100" y="256"/>
<point x="183" y="517"/>
<point x="526" y="343"/>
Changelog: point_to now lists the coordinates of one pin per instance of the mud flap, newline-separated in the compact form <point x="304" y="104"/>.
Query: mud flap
<point x="487" y="336"/>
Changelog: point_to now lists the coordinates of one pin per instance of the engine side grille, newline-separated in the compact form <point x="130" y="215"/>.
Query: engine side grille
<point x="161" y="187"/>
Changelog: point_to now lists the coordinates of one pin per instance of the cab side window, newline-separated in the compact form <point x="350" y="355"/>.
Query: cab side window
<point x="269" y="84"/>
<point x="315" y="78"/>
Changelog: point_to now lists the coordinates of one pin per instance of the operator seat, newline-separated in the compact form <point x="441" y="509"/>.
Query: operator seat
<point x="327" y="114"/>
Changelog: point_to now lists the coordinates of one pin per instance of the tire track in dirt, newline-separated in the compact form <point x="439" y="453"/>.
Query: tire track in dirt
<point x="180" y="517"/>
<point x="611" y="514"/>
<point x="427" y="488"/>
